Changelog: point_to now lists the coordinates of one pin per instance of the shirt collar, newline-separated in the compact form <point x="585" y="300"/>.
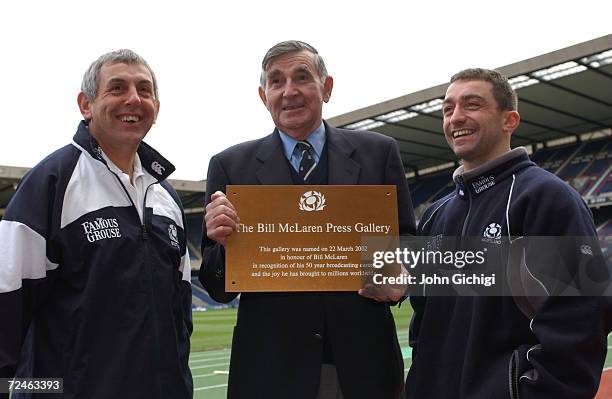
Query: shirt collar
<point x="316" y="139"/>
<point x="138" y="171"/>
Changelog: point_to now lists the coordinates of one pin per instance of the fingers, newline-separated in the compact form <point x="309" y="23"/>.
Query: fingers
<point x="386" y="292"/>
<point x="383" y="293"/>
<point x="221" y="218"/>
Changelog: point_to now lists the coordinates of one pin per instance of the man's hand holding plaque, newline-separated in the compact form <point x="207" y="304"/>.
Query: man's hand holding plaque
<point x="221" y="218"/>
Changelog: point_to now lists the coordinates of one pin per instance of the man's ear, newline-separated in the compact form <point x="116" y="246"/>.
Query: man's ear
<point x="156" y="111"/>
<point x="84" y="106"/>
<point x="511" y="121"/>
<point x="262" y="95"/>
<point x="328" y="85"/>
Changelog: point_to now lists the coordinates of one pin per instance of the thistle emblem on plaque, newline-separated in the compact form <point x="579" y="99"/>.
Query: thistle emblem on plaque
<point x="312" y="201"/>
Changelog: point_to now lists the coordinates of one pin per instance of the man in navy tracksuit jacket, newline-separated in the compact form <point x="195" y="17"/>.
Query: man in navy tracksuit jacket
<point x="94" y="269"/>
<point x="507" y="346"/>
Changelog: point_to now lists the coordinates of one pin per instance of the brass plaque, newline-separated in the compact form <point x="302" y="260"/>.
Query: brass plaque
<point x="307" y="238"/>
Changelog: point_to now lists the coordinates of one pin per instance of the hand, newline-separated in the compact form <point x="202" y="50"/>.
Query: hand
<point x="221" y="218"/>
<point x="385" y="292"/>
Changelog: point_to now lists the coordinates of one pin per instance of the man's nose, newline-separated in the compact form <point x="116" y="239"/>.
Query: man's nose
<point x="457" y="117"/>
<point x="290" y="89"/>
<point x="133" y="98"/>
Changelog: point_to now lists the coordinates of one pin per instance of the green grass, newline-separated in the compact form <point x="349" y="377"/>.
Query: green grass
<point x="608" y="362"/>
<point x="402" y="316"/>
<point x="212" y="329"/>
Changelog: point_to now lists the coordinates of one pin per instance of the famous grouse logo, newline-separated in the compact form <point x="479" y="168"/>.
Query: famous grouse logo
<point x="483" y="183"/>
<point x="101" y="229"/>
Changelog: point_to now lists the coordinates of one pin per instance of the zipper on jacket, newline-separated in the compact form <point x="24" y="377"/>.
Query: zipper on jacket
<point x="466" y="192"/>
<point x="513" y="375"/>
<point x="145" y="234"/>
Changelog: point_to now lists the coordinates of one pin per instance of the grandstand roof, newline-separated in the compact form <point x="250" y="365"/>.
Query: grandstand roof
<point x="562" y="94"/>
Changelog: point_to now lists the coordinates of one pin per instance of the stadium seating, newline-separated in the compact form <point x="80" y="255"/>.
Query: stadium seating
<point x="600" y="165"/>
<point x="204" y="300"/>
<point x="427" y="189"/>
<point x="605" y="229"/>
<point x="583" y="157"/>
<point x="541" y="156"/>
<point x="194" y="229"/>
<point x="559" y="158"/>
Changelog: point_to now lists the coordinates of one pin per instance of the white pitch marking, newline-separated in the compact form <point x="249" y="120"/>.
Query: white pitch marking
<point x="210" y="387"/>
<point x="203" y="375"/>
<point x="209" y="366"/>
<point x="208" y="359"/>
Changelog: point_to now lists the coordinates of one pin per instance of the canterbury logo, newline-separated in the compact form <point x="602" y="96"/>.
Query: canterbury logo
<point x="173" y="234"/>
<point x="157" y="168"/>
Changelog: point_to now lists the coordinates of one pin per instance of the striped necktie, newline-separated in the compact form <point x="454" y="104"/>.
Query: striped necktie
<point x="307" y="164"/>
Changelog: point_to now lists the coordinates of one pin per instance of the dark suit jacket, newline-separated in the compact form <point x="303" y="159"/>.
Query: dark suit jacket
<point x="278" y="339"/>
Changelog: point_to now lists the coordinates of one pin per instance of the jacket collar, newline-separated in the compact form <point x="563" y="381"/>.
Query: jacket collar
<point x="152" y="161"/>
<point x="480" y="179"/>
<point x="275" y="168"/>
<point x="342" y="168"/>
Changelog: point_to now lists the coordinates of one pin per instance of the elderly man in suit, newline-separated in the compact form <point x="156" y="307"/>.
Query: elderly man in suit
<point x="305" y="344"/>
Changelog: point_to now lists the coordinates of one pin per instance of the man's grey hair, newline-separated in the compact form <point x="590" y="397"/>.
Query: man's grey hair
<point x="291" y="46"/>
<point x="91" y="79"/>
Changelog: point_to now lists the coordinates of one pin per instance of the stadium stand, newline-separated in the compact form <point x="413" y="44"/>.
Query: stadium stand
<point x="428" y="189"/>
<point x="597" y="165"/>
<point x="581" y="160"/>
<point x="194" y="228"/>
<point x="194" y="237"/>
<point x="204" y="300"/>
<point x="542" y="156"/>
<point x="605" y="234"/>
<point x="559" y="158"/>
<point x="605" y="229"/>
<point x="607" y="187"/>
